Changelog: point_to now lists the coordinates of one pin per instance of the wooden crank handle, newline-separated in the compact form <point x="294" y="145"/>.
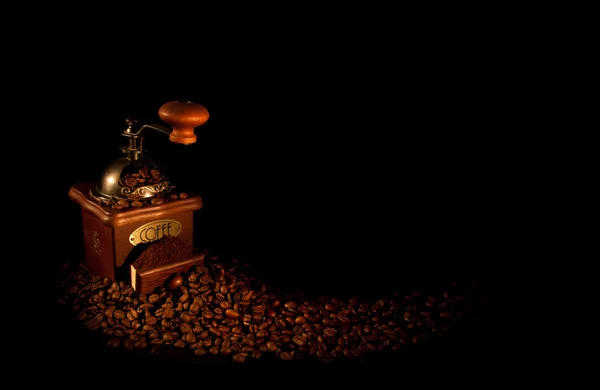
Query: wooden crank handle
<point x="183" y="116"/>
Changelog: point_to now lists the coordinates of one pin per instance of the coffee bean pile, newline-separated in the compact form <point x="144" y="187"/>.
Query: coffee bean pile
<point x="144" y="185"/>
<point x="145" y="175"/>
<point x="219" y="308"/>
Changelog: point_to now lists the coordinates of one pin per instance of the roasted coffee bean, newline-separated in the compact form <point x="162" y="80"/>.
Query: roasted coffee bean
<point x="157" y="201"/>
<point x="256" y="354"/>
<point x="272" y="347"/>
<point x="119" y="314"/>
<point x="195" y="308"/>
<point x="186" y="317"/>
<point x="225" y="305"/>
<point x="114" y="343"/>
<point x="169" y="312"/>
<point x="215" y="310"/>
<point x="299" y="340"/>
<point x="237" y="330"/>
<point x="128" y="343"/>
<point x="190" y="337"/>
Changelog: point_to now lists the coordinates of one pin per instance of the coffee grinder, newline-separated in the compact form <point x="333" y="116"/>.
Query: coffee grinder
<point x="134" y="202"/>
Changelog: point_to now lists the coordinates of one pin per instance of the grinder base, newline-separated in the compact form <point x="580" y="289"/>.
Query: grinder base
<point x="110" y="235"/>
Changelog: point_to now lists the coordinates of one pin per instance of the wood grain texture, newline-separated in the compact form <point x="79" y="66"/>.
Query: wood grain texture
<point x="145" y="282"/>
<point x="99" y="251"/>
<point x="184" y="117"/>
<point x="80" y="194"/>
<point x="106" y="232"/>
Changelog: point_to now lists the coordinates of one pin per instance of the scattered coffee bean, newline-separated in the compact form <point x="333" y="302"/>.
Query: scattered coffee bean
<point x="219" y="308"/>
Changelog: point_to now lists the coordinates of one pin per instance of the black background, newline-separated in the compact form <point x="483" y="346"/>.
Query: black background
<point x="338" y="187"/>
<point x="347" y="149"/>
<point x="368" y="183"/>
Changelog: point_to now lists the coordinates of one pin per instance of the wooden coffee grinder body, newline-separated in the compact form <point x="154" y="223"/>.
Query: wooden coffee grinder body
<point x="111" y="236"/>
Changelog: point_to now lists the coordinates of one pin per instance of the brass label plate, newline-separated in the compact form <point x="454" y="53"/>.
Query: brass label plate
<point x="154" y="230"/>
